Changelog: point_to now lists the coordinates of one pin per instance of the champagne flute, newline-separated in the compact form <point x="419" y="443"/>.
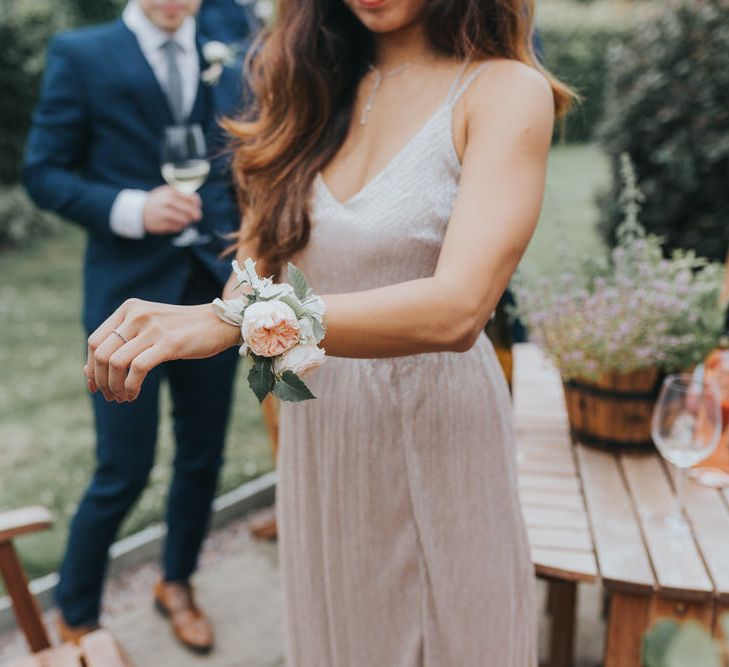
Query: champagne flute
<point x="686" y="427"/>
<point x="185" y="166"/>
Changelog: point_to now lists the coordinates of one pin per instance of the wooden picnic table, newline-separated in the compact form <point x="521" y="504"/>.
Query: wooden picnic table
<point x="595" y="515"/>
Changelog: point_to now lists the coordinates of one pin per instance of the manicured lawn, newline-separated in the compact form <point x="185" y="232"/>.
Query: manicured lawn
<point x="567" y="226"/>
<point x="46" y="433"/>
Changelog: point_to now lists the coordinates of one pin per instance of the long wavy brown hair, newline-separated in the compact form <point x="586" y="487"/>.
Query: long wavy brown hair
<point x="304" y="79"/>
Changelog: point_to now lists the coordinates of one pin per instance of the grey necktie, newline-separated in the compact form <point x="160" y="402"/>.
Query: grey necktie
<point x="174" y="80"/>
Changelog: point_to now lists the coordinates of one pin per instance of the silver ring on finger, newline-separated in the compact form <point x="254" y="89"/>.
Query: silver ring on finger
<point x="121" y="335"/>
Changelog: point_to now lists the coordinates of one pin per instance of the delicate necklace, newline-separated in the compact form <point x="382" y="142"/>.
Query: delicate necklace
<point x="376" y="86"/>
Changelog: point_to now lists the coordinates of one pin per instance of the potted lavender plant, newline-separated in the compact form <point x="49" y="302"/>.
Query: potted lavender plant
<point x="614" y="325"/>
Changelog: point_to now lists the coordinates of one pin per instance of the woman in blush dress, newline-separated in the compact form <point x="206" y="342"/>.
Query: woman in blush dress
<point x="397" y="156"/>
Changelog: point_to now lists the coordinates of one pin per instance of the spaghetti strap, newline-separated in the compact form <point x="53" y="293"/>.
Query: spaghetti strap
<point x="454" y="97"/>
<point x="456" y="81"/>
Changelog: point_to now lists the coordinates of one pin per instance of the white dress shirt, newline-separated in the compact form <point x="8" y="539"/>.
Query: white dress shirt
<point x="126" y="217"/>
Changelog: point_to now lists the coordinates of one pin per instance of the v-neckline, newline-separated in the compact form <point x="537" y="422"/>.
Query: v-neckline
<point x="393" y="160"/>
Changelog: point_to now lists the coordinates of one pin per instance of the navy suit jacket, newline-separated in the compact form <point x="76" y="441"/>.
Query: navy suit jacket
<point x="97" y="130"/>
<point x="228" y="21"/>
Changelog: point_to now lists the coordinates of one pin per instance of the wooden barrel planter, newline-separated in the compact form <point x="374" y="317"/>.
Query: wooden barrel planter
<point x="615" y="411"/>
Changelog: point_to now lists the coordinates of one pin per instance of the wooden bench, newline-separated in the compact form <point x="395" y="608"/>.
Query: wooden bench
<point x="648" y="570"/>
<point x="97" y="649"/>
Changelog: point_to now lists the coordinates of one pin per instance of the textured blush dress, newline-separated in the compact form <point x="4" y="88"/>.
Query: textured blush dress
<point x="401" y="536"/>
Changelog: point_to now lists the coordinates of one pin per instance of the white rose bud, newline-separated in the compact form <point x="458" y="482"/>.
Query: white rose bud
<point x="212" y="74"/>
<point x="264" y="10"/>
<point x="300" y="359"/>
<point x="315" y="306"/>
<point x="230" y="311"/>
<point x="275" y="290"/>
<point x="215" y="52"/>
<point x="306" y="331"/>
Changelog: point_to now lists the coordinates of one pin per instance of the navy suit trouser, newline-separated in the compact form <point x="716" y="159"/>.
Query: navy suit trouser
<point x="126" y="437"/>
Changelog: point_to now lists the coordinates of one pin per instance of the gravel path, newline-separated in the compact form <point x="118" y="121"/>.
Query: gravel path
<point x="129" y="594"/>
<point x="239" y="587"/>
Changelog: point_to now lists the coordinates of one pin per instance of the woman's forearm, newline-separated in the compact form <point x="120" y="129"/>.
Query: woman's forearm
<point x="424" y="315"/>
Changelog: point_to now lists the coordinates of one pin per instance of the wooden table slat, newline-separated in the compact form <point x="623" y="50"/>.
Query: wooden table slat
<point x="674" y="555"/>
<point x="546" y="483"/>
<point x="545" y="517"/>
<point x="66" y="655"/>
<point x="709" y="516"/>
<point x="527" y="451"/>
<point x="567" y="565"/>
<point x="566" y="539"/>
<point x="25" y="661"/>
<point x="618" y="540"/>
<point x="101" y="650"/>
<point x="564" y="501"/>
<point x="554" y="427"/>
<point x="24" y="520"/>
<point x="559" y="469"/>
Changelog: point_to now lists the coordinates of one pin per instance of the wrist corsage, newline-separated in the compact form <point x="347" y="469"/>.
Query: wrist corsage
<point x="281" y="325"/>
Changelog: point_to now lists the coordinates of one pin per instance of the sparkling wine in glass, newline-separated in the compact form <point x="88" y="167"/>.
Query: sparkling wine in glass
<point x="686" y="426"/>
<point x="185" y="166"/>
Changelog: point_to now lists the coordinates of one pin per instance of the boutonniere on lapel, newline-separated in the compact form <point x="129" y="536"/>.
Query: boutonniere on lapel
<point x="264" y="10"/>
<point x="217" y="55"/>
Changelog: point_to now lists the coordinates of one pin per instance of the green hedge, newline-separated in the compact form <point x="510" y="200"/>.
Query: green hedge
<point x="25" y="27"/>
<point x="20" y="221"/>
<point x="668" y="108"/>
<point x="575" y="39"/>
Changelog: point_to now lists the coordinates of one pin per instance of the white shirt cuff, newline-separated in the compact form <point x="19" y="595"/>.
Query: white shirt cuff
<point x="127" y="218"/>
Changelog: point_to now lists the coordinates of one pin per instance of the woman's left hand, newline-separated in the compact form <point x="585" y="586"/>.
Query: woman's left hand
<point x="141" y="335"/>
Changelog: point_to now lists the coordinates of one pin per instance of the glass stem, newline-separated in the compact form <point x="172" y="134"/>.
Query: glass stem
<point x="680" y="474"/>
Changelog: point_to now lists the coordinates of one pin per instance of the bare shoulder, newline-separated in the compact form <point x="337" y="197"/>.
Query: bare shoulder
<point x="510" y="91"/>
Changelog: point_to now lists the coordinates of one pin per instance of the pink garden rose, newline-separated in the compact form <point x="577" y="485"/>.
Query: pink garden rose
<point x="269" y="328"/>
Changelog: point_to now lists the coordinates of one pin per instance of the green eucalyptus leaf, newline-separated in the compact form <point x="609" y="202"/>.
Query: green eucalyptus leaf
<point x="656" y="642"/>
<point x="248" y="362"/>
<point x="318" y="328"/>
<point x="294" y="304"/>
<point x="692" y="646"/>
<point x="261" y="378"/>
<point x="290" y="387"/>
<point x="724" y="623"/>
<point x="298" y="282"/>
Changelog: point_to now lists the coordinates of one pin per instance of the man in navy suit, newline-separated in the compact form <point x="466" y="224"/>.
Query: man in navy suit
<point x="93" y="156"/>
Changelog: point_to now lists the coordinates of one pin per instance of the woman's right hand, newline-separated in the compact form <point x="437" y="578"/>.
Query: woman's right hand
<point x="141" y="335"/>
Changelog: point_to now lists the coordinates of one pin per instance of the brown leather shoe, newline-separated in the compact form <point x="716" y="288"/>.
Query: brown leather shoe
<point x="264" y="527"/>
<point x="72" y="635"/>
<point x="176" y="600"/>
